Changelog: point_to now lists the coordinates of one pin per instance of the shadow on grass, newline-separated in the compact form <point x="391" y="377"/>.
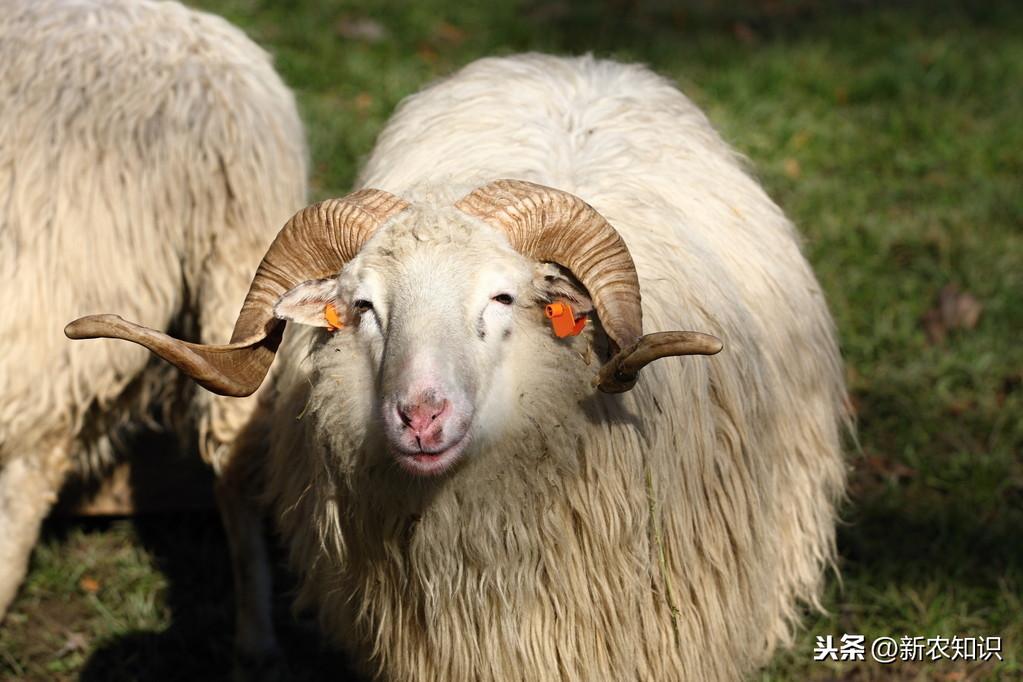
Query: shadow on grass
<point x="581" y="26"/>
<point x="190" y="550"/>
<point x="915" y="537"/>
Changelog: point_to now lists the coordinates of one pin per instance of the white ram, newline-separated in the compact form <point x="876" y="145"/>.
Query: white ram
<point x="459" y="499"/>
<point x="148" y="152"/>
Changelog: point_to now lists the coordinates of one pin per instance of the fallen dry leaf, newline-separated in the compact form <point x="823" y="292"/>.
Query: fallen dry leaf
<point x="360" y="28"/>
<point x="954" y="309"/>
<point x="800" y="138"/>
<point x="743" y="33"/>
<point x="957" y="408"/>
<point x="876" y="464"/>
<point x="449" y="33"/>
<point x="792" y="168"/>
<point x="89" y="584"/>
<point x="363" y="101"/>
<point x="427" y="53"/>
<point x="75" y="641"/>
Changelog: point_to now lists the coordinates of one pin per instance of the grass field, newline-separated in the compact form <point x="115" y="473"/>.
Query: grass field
<point x="892" y="133"/>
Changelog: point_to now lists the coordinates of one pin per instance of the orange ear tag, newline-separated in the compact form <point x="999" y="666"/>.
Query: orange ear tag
<point x="563" y="320"/>
<point x="333" y="319"/>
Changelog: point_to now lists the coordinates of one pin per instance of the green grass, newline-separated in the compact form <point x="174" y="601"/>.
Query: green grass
<point x="891" y="134"/>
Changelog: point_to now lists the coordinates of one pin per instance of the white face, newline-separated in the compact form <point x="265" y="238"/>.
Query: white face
<point x="436" y="305"/>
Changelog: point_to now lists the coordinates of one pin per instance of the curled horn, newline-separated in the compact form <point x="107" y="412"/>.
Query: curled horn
<point x="314" y="244"/>
<point x="547" y="224"/>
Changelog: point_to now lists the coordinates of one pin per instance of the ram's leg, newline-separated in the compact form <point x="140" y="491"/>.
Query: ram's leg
<point x="232" y="443"/>
<point x="28" y="488"/>
<point x="255" y="640"/>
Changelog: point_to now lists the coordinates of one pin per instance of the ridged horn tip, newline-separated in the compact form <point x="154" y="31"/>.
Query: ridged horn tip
<point x="621" y="371"/>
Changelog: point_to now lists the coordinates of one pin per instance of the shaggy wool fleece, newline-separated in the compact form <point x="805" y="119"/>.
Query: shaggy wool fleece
<point x="671" y="533"/>
<point x="148" y="154"/>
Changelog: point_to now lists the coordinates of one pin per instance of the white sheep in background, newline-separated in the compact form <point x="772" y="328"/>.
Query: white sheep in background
<point x="459" y="500"/>
<point x="148" y="153"/>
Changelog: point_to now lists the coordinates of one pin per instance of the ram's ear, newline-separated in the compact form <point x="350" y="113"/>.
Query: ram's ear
<point x="306" y="303"/>
<point x="551" y="282"/>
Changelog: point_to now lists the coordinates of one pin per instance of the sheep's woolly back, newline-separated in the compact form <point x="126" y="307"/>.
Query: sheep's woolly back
<point x="148" y="154"/>
<point x="670" y="533"/>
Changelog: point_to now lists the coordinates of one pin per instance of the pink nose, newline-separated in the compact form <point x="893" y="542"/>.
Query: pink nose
<point x="424" y="417"/>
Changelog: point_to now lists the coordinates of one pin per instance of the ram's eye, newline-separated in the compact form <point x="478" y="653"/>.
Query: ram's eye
<point x="504" y="299"/>
<point x="362" y="305"/>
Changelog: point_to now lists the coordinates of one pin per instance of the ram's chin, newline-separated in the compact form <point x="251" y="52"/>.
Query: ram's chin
<point x="430" y="464"/>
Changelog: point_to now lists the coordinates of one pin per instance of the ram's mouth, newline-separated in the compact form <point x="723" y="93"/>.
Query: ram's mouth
<point x="426" y="464"/>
